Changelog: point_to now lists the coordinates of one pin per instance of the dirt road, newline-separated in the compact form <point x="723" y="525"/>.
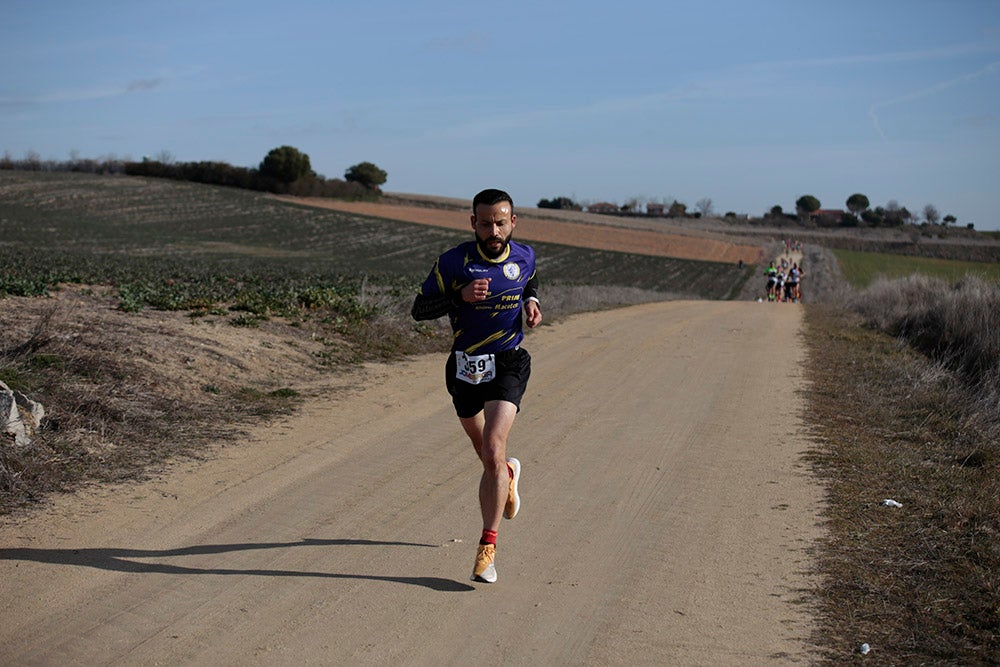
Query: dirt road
<point x="665" y="520"/>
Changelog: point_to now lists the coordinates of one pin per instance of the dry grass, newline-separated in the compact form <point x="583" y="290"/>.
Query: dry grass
<point x="110" y="415"/>
<point x="956" y="323"/>
<point x="920" y="583"/>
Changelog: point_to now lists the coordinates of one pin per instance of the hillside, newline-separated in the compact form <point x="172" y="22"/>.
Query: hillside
<point x="132" y="224"/>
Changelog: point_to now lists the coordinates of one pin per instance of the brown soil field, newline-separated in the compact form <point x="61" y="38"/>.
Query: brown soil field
<point x="532" y="226"/>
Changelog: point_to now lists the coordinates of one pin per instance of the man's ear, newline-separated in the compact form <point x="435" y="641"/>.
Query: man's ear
<point x="473" y="217"/>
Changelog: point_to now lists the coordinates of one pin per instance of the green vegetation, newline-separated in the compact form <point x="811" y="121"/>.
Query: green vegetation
<point x="564" y="203"/>
<point x="366" y="174"/>
<point x="286" y="164"/>
<point x="806" y="205"/>
<point x="284" y="170"/>
<point x="863" y="268"/>
<point x="857" y="203"/>
<point x="182" y="246"/>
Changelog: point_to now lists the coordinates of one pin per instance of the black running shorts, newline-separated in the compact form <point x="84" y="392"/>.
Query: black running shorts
<point x="513" y="368"/>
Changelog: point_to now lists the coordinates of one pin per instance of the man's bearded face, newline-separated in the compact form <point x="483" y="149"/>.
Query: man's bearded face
<point x="494" y="226"/>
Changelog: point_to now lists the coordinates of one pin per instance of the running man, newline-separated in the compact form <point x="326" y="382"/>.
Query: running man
<point x="779" y="285"/>
<point x="798" y="283"/>
<point x="793" y="284"/>
<point x="771" y="273"/>
<point x="483" y="286"/>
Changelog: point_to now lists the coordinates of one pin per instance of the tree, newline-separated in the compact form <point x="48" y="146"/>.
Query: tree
<point x="776" y="212"/>
<point x="895" y="215"/>
<point x="564" y="203"/>
<point x="367" y="174"/>
<point x="677" y="210"/>
<point x="931" y="214"/>
<point x="857" y="204"/>
<point x="164" y="157"/>
<point x="874" y="217"/>
<point x="949" y="219"/>
<point x="285" y="164"/>
<point x="806" y="205"/>
<point x="631" y="206"/>
<point x="704" y="206"/>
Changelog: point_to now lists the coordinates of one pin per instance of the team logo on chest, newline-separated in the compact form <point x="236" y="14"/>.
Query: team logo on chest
<point x="512" y="270"/>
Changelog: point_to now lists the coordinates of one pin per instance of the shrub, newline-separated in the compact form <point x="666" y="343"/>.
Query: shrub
<point x="957" y="324"/>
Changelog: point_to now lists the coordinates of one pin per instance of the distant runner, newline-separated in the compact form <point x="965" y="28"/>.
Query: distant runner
<point x="798" y="283"/>
<point x="771" y="273"/>
<point x="483" y="286"/>
<point x="792" y="286"/>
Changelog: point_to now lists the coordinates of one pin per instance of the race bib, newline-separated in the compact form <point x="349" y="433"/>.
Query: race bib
<point x="475" y="369"/>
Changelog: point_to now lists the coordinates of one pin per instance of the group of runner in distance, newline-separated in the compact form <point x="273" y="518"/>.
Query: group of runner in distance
<point x="784" y="282"/>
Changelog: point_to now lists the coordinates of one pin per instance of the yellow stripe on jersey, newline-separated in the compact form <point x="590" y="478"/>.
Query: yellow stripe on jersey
<point x="489" y="339"/>
<point x="439" y="277"/>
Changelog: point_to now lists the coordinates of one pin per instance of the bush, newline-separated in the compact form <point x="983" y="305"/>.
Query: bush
<point x="957" y="324"/>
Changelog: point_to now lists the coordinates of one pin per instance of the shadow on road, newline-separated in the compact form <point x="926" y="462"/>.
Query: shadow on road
<point x="118" y="560"/>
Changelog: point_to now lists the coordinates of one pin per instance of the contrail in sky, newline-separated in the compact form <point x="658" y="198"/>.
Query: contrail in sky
<point x="926" y="92"/>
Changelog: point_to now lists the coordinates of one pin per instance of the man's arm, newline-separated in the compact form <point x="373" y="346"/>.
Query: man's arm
<point x="532" y="308"/>
<point x="431" y="307"/>
<point x="531" y="289"/>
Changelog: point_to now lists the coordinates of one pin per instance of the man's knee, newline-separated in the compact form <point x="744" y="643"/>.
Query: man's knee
<point x="493" y="455"/>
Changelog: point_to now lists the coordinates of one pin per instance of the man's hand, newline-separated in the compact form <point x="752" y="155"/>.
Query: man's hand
<point x="477" y="290"/>
<point x="533" y="314"/>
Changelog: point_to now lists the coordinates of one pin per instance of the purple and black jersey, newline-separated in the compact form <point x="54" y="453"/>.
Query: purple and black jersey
<point x="489" y="326"/>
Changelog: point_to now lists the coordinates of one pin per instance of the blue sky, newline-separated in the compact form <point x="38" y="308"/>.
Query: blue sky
<point x="748" y="104"/>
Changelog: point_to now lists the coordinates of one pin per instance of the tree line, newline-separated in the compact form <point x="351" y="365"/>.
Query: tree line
<point x="808" y="209"/>
<point x="284" y="170"/>
<point x="860" y="213"/>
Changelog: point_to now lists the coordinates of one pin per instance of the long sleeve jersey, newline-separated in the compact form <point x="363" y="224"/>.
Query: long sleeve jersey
<point x="484" y="327"/>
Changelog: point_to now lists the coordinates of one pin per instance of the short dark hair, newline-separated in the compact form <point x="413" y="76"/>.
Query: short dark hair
<point x="491" y="196"/>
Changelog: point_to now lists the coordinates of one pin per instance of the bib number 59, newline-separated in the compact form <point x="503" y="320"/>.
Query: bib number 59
<point x="475" y="369"/>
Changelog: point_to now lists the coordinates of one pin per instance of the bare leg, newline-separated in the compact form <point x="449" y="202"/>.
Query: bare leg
<point x="488" y="432"/>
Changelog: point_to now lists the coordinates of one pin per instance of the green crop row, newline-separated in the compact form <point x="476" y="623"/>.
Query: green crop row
<point x="259" y="288"/>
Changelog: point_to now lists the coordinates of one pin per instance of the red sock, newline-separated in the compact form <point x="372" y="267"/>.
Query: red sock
<point x="489" y="537"/>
